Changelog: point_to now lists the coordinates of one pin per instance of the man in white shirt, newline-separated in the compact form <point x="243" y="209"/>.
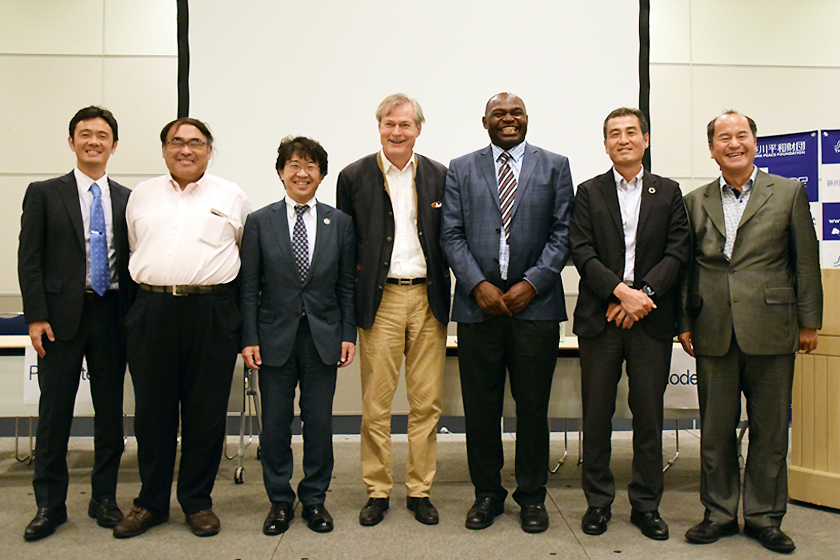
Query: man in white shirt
<point x="402" y="302"/>
<point x="629" y="235"/>
<point x="74" y="281"/>
<point x="184" y="231"/>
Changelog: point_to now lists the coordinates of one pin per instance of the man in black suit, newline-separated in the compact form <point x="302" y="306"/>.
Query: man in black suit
<point x="298" y="322"/>
<point x="629" y="236"/>
<point x="74" y="281"/>
<point x="402" y="302"/>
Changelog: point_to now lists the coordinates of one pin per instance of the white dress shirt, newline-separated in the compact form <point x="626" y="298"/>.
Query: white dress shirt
<point x="517" y="154"/>
<point x="630" y="202"/>
<point x="309" y="219"/>
<point x="407" y="258"/>
<point x="83" y="183"/>
<point x="185" y="237"/>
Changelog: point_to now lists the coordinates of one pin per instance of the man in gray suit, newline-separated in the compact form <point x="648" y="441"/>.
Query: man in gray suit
<point x="505" y="233"/>
<point x="298" y="323"/>
<point x="751" y="299"/>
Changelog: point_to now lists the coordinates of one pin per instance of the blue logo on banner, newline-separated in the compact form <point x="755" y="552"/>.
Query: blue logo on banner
<point x="792" y="155"/>
<point x="831" y="146"/>
<point x="831" y="221"/>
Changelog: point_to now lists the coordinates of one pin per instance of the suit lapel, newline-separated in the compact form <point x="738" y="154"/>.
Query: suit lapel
<point x="323" y="230"/>
<point x="761" y="193"/>
<point x="606" y="186"/>
<point x="714" y="207"/>
<point x="70" y="197"/>
<point x="488" y="170"/>
<point x="529" y="163"/>
<point x="648" y="194"/>
<point x="280" y="226"/>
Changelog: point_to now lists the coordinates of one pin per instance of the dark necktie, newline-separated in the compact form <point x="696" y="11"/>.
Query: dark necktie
<point x="300" y="244"/>
<point x="100" y="276"/>
<point x="507" y="192"/>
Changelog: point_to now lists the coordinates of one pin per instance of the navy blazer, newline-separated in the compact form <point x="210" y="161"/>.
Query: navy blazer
<point x="598" y="251"/>
<point x="539" y="230"/>
<point x="52" y="261"/>
<point x="273" y="295"/>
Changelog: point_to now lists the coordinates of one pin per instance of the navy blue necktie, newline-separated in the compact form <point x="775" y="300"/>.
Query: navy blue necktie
<point x="100" y="275"/>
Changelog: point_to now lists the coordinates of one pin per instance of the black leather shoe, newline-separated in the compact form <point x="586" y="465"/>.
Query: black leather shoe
<point x="278" y="518"/>
<point x="106" y="512"/>
<point x="374" y="511"/>
<point x="318" y="517"/>
<point x="594" y="521"/>
<point x="44" y="523"/>
<point x="533" y="518"/>
<point x="771" y="538"/>
<point x="707" y="531"/>
<point x="652" y="526"/>
<point x="424" y="511"/>
<point x="483" y="511"/>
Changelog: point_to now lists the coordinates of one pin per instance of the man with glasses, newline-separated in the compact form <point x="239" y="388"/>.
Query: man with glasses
<point x="184" y="231"/>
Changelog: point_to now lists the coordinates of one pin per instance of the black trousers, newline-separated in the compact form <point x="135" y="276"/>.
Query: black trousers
<point x="100" y="341"/>
<point x="528" y="351"/>
<point x="648" y="362"/>
<point x="181" y="351"/>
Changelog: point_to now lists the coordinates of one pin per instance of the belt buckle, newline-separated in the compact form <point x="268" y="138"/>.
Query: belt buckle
<point x="405" y="281"/>
<point x="176" y="293"/>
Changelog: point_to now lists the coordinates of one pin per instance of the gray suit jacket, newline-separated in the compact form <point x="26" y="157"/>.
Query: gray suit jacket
<point x="771" y="286"/>
<point x="273" y="294"/>
<point x="539" y="231"/>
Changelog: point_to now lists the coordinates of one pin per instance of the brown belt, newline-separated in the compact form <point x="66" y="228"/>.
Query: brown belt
<point x="406" y="281"/>
<point x="186" y="290"/>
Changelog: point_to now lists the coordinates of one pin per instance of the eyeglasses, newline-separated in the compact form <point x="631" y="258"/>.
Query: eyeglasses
<point x="295" y="166"/>
<point x="178" y="143"/>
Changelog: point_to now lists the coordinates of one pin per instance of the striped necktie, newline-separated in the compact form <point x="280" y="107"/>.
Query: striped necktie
<point x="507" y="192"/>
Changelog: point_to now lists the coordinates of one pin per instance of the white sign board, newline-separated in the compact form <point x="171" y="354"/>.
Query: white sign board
<point x="31" y="389"/>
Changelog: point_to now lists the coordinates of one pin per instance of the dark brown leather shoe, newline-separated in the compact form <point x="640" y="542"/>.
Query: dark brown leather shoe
<point x="106" y="512"/>
<point x="44" y="523"/>
<point x="278" y="519"/>
<point x="707" y="531"/>
<point x="137" y="522"/>
<point x="318" y="518"/>
<point x="373" y="511"/>
<point x="204" y="523"/>
<point x="424" y="511"/>
<point x="771" y="538"/>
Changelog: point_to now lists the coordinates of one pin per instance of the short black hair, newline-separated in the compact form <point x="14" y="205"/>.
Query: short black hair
<point x="94" y="112"/>
<point x="307" y="147"/>
<point x="710" y="128"/>
<point x="202" y="128"/>
<point x="626" y="112"/>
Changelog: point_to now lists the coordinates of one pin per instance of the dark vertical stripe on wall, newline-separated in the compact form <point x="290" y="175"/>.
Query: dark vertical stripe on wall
<point x="183" y="59"/>
<point x="644" y="67"/>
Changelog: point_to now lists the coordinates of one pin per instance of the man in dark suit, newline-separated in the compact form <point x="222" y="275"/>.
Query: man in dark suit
<point x="629" y="237"/>
<point x="505" y="232"/>
<point x="298" y="315"/>
<point x="72" y="267"/>
<point x="751" y="299"/>
<point x="402" y="303"/>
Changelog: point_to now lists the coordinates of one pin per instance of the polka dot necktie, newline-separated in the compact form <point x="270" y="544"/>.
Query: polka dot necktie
<point x="507" y="192"/>
<point x="300" y="244"/>
<point x="100" y="276"/>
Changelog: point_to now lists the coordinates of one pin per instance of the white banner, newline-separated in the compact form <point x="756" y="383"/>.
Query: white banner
<point x="31" y="390"/>
<point x="682" y="381"/>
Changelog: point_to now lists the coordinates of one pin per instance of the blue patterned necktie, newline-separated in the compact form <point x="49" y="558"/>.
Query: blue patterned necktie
<point x="300" y="244"/>
<point x="507" y="192"/>
<point x="100" y="276"/>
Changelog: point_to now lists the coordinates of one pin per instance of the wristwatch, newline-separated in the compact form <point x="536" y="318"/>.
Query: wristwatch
<point x="648" y="291"/>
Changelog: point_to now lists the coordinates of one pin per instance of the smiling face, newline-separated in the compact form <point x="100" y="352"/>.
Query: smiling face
<point x="733" y="146"/>
<point x="397" y="133"/>
<point x="301" y="176"/>
<point x="625" y="142"/>
<point x="93" y="143"/>
<point x="187" y="154"/>
<point x="506" y="120"/>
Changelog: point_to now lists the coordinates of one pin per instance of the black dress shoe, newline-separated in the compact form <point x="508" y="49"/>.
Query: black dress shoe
<point x="707" y="531"/>
<point x="533" y="518"/>
<point x="652" y="526"/>
<point x="771" y="538"/>
<point x="424" y="511"/>
<point x="374" y="511"/>
<point x="106" y="512"/>
<point x="594" y="521"/>
<point x="318" y="517"/>
<point x="483" y="511"/>
<point x="44" y="523"/>
<point x="278" y="518"/>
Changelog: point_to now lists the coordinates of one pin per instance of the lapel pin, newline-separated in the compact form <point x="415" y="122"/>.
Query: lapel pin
<point x="437" y="204"/>
<point x="327" y="221"/>
<point x="651" y="190"/>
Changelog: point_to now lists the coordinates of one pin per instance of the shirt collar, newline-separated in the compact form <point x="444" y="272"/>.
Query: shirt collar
<point x="634" y="183"/>
<point x="190" y="188"/>
<point x="83" y="182"/>
<point x="290" y="204"/>
<point x="516" y="152"/>
<point x="387" y="165"/>
<point x="747" y="186"/>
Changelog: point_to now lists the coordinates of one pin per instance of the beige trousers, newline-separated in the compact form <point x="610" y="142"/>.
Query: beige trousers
<point x="404" y="326"/>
